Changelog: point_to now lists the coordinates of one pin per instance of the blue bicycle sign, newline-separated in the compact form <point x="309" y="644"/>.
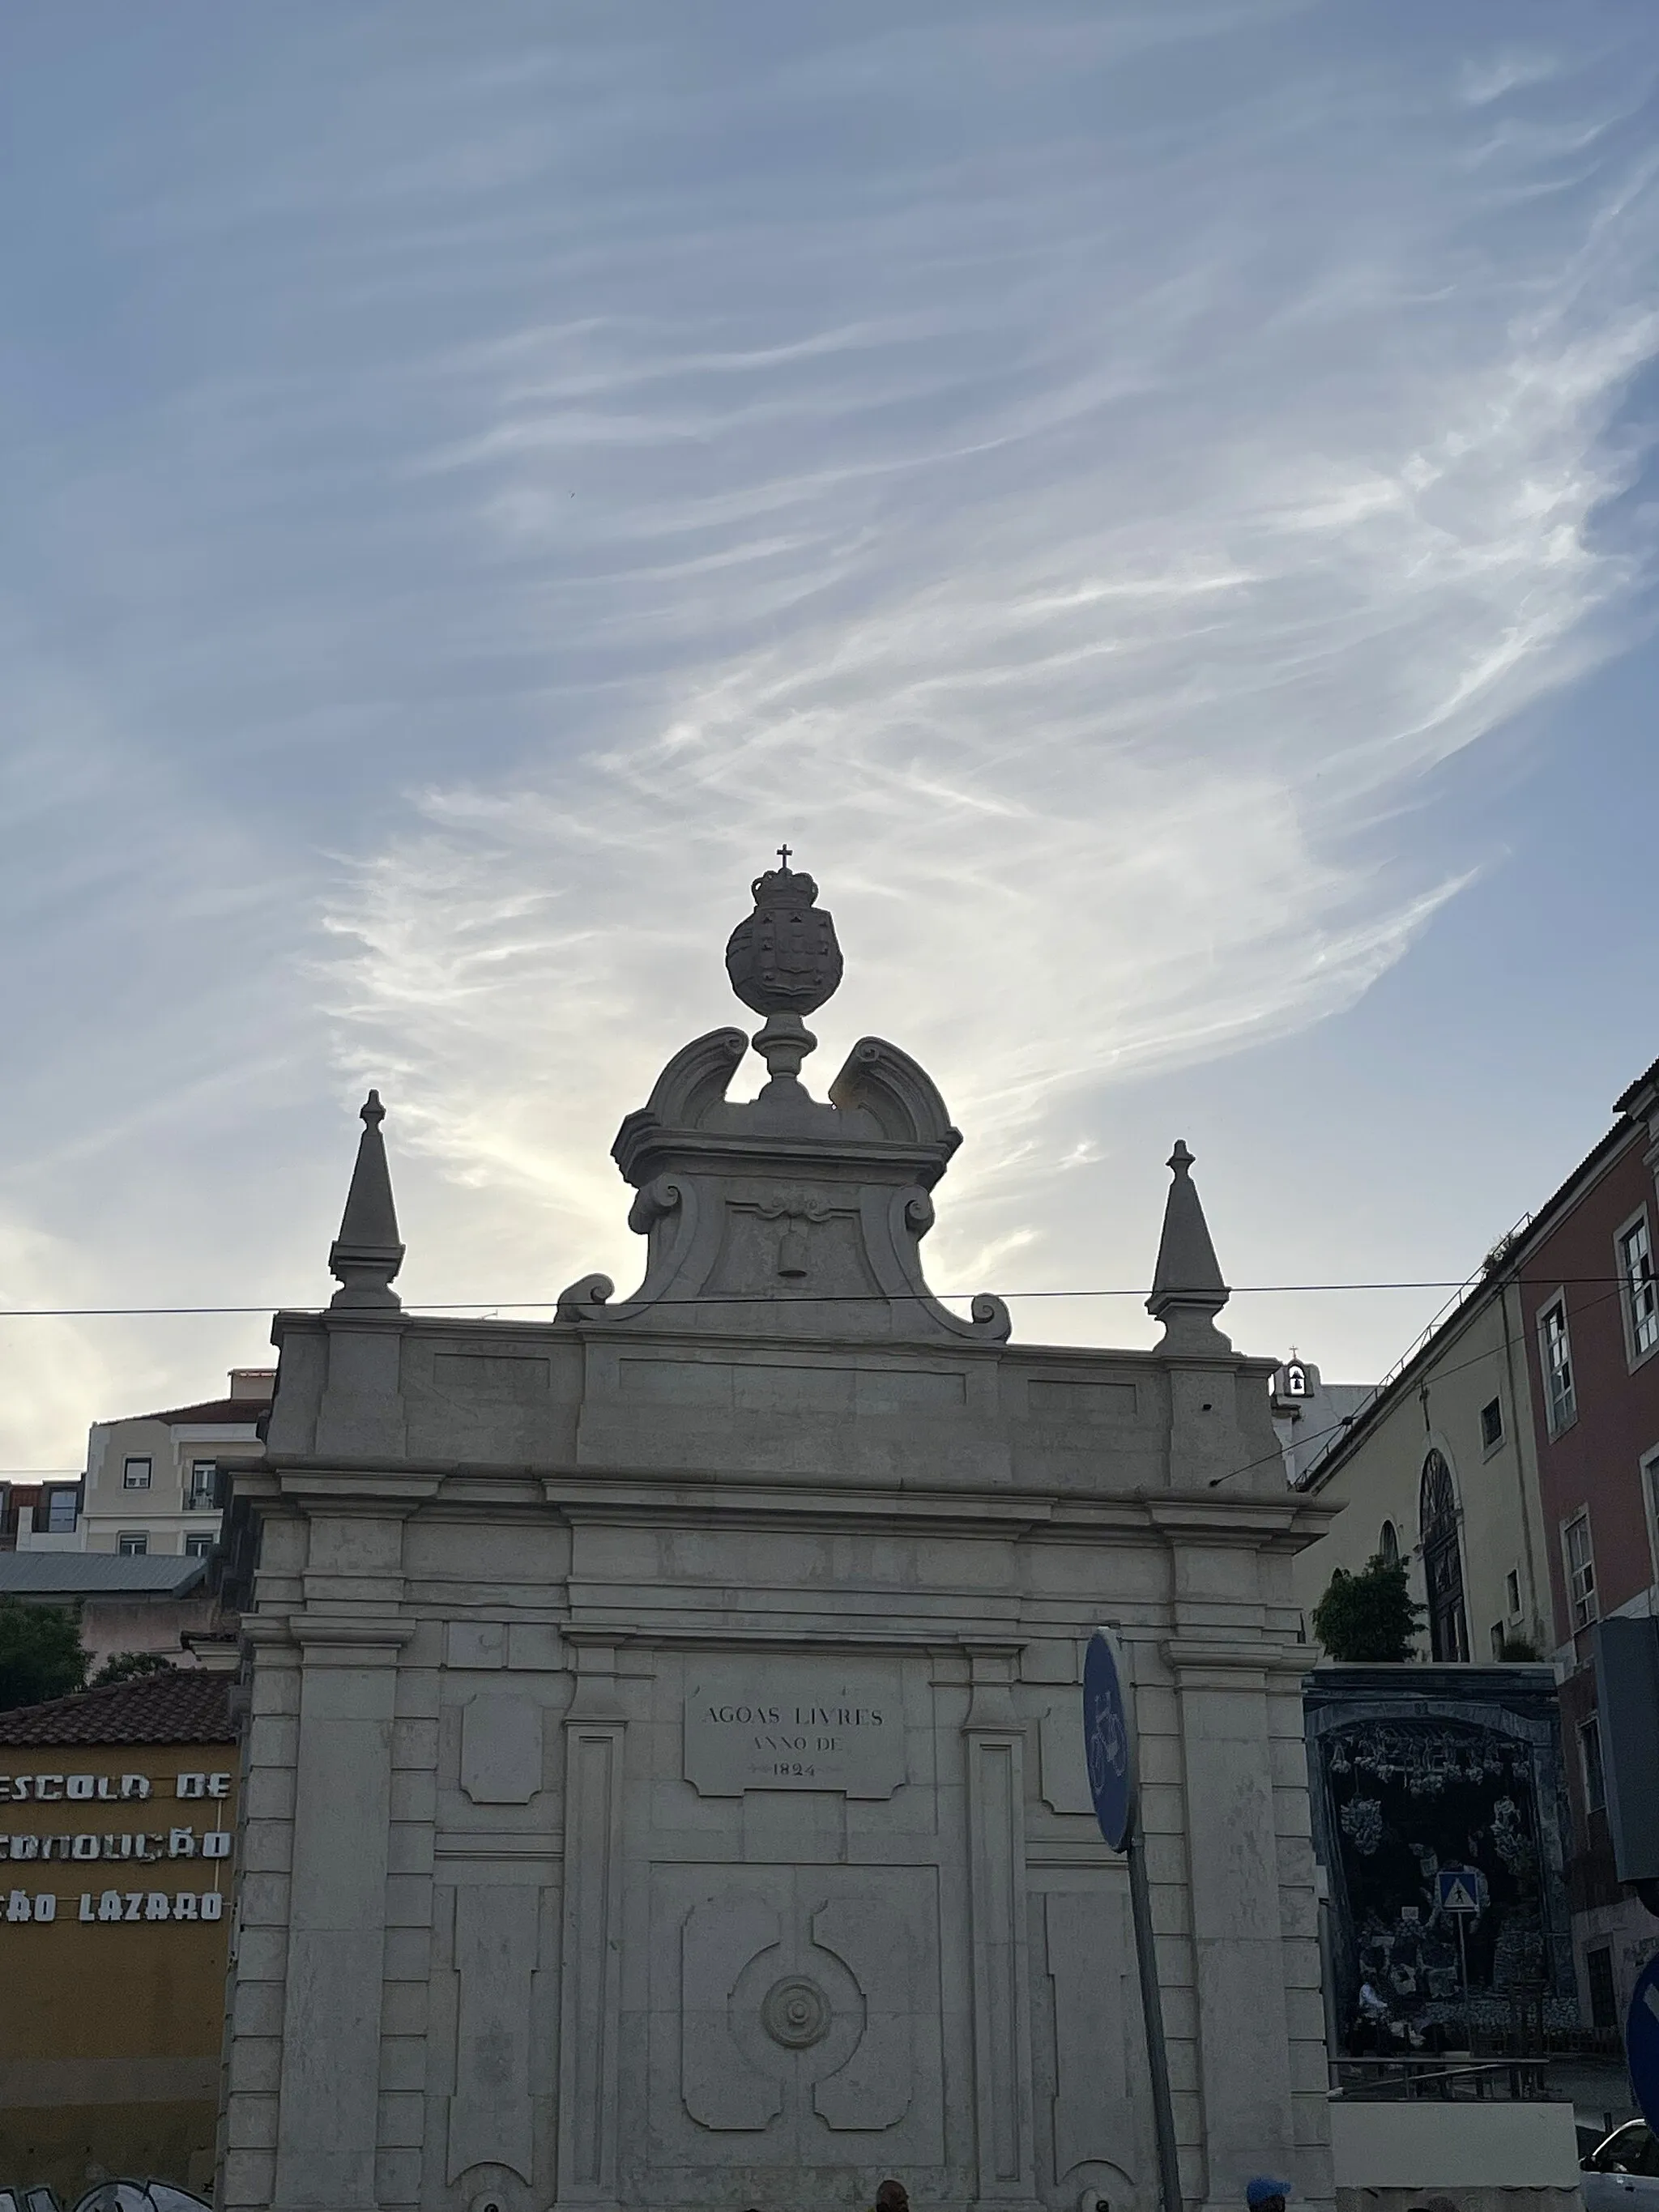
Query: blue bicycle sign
<point x="1109" y="1747"/>
<point x="1106" y="1740"/>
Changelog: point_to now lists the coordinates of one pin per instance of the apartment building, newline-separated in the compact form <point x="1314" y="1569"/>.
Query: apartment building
<point x="1437" y="1468"/>
<point x="1590" y="1302"/>
<point x="158" y="1482"/>
<point x="41" y="1514"/>
<point x="1512" y="1463"/>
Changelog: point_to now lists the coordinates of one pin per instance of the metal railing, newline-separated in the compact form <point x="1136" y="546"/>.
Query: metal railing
<point x="1522" y="2079"/>
<point x="1361" y="1412"/>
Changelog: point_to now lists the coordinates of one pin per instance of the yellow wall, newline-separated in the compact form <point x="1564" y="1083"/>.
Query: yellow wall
<point x="110" y="2029"/>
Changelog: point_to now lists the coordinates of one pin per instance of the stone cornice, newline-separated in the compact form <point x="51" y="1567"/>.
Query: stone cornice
<point x="357" y="1318"/>
<point x="644" y="1153"/>
<point x="385" y="1493"/>
<point x="363" y="1639"/>
<point x="926" y="1636"/>
<point x="268" y="1629"/>
<point x="1089" y="1362"/>
<point x="1191" y="1658"/>
<point x="999" y="1510"/>
<point x="771" y="1503"/>
<point x="591" y="1496"/>
<point x="1211" y="1517"/>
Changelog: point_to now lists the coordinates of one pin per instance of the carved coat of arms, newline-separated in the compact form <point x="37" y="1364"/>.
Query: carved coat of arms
<point x="783" y="959"/>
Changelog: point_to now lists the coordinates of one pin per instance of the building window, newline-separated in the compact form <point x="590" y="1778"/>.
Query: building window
<point x="1581" y="1570"/>
<point x="1491" y="1423"/>
<point x="1641" y="1289"/>
<point x="1496" y="1632"/>
<point x="204" y="1489"/>
<point x="60" y="1512"/>
<point x="1590" y="1757"/>
<point x="132" y="1543"/>
<point x="1558" y="1393"/>
<point x="135" y="1475"/>
<point x="1443" y="1561"/>
<point x="1388" y="1545"/>
<point x="198" y="1547"/>
<point x="1512" y="1591"/>
<point x="1598" y="1973"/>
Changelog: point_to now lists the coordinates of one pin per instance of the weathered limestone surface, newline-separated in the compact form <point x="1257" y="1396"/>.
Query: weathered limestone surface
<point x="665" y="1751"/>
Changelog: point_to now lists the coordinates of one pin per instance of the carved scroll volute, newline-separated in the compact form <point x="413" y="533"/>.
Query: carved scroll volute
<point x="660" y="1197"/>
<point x="899" y="1095"/>
<point x="694" y="1081"/>
<point x="910" y="1216"/>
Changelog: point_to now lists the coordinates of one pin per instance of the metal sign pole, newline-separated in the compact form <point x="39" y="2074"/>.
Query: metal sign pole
<point x="1151" y="2006"/>
<point x="1463" y="1963"/>
<point x="1110" y="1749"/>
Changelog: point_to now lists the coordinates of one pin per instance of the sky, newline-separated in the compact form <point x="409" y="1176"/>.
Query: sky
<point x="1154" y="503"/>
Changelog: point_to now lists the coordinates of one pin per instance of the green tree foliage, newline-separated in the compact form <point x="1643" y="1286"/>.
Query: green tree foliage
<point x="41" y="1654"/>
<point x="1369" y="1616"/>
<point x="124" y="1666"/>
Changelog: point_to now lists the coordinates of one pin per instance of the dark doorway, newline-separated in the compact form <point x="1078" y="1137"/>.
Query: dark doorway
<point x="1598" y="1973"/>
<point x="1443" y="1561"/>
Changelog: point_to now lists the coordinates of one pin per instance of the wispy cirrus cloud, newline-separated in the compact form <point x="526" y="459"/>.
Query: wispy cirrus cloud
<point x="477" y="488"/>
<point x="1082" y="557"/>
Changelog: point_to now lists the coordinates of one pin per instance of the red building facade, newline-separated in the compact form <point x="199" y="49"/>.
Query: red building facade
<point x="1590" y="1302"/>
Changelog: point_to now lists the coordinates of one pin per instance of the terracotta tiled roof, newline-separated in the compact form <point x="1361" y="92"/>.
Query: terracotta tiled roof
<point x="187" y="1705"/>
<point x="245" y="1411"/>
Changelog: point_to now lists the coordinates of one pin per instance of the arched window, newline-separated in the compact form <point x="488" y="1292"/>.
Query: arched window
<point x="1443" y="1561"/>
<point x="1388" y="1545"/>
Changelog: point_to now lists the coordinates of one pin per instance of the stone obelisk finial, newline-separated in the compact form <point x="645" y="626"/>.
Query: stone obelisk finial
<point x="784" y="962"/>
<point x="367" y="1252"/>
<point x="1187" y="1291"/>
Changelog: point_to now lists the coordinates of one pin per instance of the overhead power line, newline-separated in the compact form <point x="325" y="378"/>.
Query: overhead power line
<point x="1457" y="1367"/>
<point x="795" y="1298"/>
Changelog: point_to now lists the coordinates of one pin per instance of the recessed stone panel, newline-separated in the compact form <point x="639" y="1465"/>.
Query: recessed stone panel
<point x="491" y="1375"/>
<point x="501" y="1749"/>
<point x="1055" y="1401"/>
<point x="780" y="1387"/>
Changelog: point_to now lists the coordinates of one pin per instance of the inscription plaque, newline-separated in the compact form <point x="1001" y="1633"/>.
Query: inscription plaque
<point x="767" y="1724"/>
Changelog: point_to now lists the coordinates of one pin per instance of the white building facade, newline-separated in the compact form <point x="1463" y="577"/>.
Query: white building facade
<point x="664" y="1781"/>
<point x="157" y="1482"/>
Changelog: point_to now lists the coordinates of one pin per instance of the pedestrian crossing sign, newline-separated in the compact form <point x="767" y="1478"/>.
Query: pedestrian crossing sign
<point x="1458" y="1890"/>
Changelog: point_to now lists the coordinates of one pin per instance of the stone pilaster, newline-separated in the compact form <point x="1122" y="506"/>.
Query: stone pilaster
<point x="1221" y="1689"/>
<point x="328" y="2121"/>
<point x="247" y="2124"/>
<point x="590" y="1990"/>
<point x="993" y="1750"/>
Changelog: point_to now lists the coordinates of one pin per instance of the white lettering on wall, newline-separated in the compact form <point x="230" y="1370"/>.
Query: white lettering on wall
<point x="51" y="1789"/>
<point x="123" y="1905"/>
<point x="144" y="1847"/>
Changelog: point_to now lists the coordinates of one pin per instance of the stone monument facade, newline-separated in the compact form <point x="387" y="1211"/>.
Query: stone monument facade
<point x="664" y="1773"/>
